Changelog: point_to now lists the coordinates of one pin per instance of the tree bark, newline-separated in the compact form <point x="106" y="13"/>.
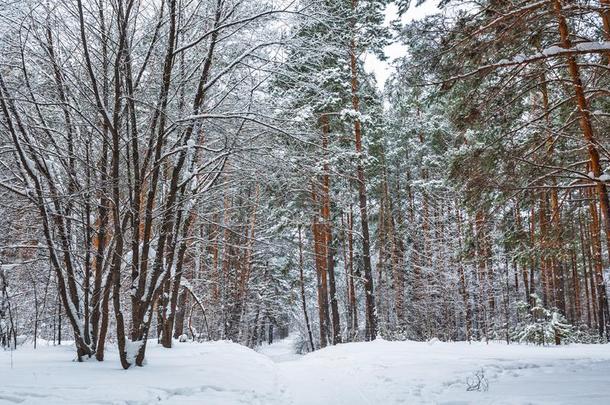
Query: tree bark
<point x="587" y="130"/>
<point x="303" y="301"/>
<point x="321" y="261"/>
<point x="371" y="312"/>
<point x="328" y="236"/>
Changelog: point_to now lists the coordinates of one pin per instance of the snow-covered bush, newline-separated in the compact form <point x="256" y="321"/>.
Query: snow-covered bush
<point x="584" y="334"/>
<point x="541" y="326"/>
<point x="399" y="333"/>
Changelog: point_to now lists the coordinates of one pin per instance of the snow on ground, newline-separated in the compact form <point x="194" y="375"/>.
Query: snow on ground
<point x="280" y="351"/>
<point x="376" y="373"/>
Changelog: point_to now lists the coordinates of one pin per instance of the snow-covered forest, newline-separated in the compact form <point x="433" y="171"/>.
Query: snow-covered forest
<point x="184" y="183"/>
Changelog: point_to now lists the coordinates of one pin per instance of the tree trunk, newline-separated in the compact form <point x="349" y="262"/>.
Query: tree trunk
<point x="326" y="217"/>
<point x="303" y="301"/>
<point x="321" y="261"/>
<point x="587" y="130"/>
<point x="371" y="312"/>
<point x="462" y="276"/>
<point x="600" y="291"/>
<point x="353" y="308"/>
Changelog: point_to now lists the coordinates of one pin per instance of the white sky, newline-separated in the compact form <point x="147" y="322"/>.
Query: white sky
<point x="381" y="69"/>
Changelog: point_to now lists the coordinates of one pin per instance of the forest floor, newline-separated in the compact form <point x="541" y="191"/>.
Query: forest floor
<point x="378" y="373"/>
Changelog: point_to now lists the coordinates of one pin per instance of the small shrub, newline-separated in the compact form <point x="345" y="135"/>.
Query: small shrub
<point x="541" y="326"/>
<point x="477" y="382"/>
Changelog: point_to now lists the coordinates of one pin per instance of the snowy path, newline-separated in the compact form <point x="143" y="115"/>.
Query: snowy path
<point x="280" y="351"/>
<point x="377" y="373"/>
